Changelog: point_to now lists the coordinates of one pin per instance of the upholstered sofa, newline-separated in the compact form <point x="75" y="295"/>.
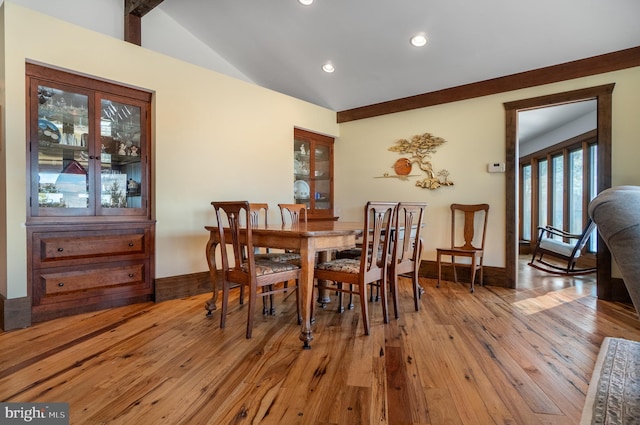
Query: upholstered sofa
<point x="614" y="390"/>
<point x="616" y="212"/>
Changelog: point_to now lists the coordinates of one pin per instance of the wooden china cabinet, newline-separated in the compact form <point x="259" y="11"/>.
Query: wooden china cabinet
<point x="90" y="236"/>
<point x="313" y="173"/>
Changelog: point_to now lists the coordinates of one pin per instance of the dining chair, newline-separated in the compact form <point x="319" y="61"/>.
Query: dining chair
<point x="406" y="251"/>
<point x="262" y="277"/>
<point x="371" y="267"/>
<point x="293" y="213"/>
<point x="467" y="240"/>
<point x="260" y="216"/>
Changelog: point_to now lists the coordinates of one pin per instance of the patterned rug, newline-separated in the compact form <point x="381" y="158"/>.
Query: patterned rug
<point x="614" y="391"/>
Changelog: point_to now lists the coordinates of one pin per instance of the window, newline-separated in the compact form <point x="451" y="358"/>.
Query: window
<point x="556" y="186"/>
<point x="526" y="201"/>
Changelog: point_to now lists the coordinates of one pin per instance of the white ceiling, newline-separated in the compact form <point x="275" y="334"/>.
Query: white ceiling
<point x="537" y="122"/>
<point x="281" y="44"/>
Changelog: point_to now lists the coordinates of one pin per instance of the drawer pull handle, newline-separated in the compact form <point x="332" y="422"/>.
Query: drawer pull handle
<point x="61" y="284"/>
<point x="60" y="249"/>
<point x="130" y="274"/>
<point x="130" y="243"/>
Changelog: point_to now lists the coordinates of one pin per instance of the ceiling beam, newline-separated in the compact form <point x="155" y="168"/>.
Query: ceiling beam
<point x="140" y="7"/>
<point x="134" y="10"/>
<point x="608" y="62"/>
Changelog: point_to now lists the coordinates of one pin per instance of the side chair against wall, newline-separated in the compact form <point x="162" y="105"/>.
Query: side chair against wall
<point x="563" y="249"/>
<point x="467" y="240"/>
<point x="407" y="249"/>
<point x="261" y="276"/>
<point x="371" y="267"/>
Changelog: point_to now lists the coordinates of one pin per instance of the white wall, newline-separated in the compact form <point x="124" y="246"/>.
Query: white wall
<point x="215" y="137"/>
<point x="160" y="32"/>
<point x="571" y="129"/>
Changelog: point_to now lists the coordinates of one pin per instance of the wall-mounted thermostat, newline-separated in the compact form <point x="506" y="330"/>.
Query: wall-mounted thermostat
<point x="496" y="167"/>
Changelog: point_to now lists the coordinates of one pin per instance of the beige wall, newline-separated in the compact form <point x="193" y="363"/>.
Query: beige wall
<point x="217" y="138"/>
<point x="475" y="134"/>
<point x="214" y="137"/>
<point x="3" y="161"/>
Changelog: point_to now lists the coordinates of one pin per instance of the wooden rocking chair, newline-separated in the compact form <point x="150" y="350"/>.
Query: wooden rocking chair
<point x="563" y="253"/>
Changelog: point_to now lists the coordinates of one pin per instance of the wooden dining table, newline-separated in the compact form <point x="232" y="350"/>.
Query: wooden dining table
<point x="311" y="238"/>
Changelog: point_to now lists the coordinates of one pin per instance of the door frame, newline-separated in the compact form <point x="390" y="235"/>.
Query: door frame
<point x="603" y="96"/>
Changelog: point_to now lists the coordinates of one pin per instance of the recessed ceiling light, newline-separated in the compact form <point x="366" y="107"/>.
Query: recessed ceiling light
<point x="328" y="67"/>
<point x="305" y="2"/>
<point x="419" y="40"/>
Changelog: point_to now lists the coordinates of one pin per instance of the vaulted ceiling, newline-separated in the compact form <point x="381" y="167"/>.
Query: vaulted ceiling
<point x="282" y="44"/>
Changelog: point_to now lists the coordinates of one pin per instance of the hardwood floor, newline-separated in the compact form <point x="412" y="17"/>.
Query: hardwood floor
<point x="497" y="356"/>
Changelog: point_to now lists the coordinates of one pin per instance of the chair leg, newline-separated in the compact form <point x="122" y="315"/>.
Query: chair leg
<point x="473" y="272"/>
<point x="272" y="309"/>
<point x="365" y="307"/>
<point x="252" y="303"/>
<point x="416" y="291"/>
<point x="439" y="269"/>
<point x="393" y="282"/>
<point x="455" y="274"/>
<point x="225" y="302"/>
<point x="312" y="313"/>
<point x="340" y="306"/>
<point x="267" y="305"/>
<point x="383" y="289"/>
<point x="350" y="305"/>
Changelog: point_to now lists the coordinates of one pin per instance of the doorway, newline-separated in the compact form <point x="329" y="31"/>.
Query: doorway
<point x="602" y="95"/>
<point x="558" y="166"/>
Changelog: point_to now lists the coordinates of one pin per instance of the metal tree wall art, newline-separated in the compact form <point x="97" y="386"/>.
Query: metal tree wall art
<point x="420" y="148"/>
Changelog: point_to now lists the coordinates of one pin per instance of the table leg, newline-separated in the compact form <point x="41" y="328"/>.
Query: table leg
<point x="210" y="304"/>
<point x="305" y="289"/>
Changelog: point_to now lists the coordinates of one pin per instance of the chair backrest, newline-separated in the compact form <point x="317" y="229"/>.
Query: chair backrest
<point x="474" y="221"/>
<point x="259" y="213"/>
<point x="237" y="213"/>
<point x="378" y="218"/>
<point x="584" y="237"/>
<point x="293" y="213"/>
<point x="564" y="243"/>
<point x="407" y="231"/>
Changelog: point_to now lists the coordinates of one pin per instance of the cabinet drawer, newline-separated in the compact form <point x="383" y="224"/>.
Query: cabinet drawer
<point x="54" y="281"/>
<point x="66" y="248"/>
<point x="58" y="248"/>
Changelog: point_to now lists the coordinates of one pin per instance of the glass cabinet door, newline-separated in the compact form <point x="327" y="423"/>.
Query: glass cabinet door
<point x="313" y="173"/>
<point x="302" y="169"/>
<point x="321" y="177"/>
<point x="88" y="152"/>
<point x="63" y="154"/>
<point x="121" y="174"/>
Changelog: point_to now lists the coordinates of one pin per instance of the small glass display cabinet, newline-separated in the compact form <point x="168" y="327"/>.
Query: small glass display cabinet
<point x="313" y="173"/>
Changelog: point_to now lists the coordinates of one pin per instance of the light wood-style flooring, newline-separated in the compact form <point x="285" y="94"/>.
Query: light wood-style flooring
<point x="497" y="356"/>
